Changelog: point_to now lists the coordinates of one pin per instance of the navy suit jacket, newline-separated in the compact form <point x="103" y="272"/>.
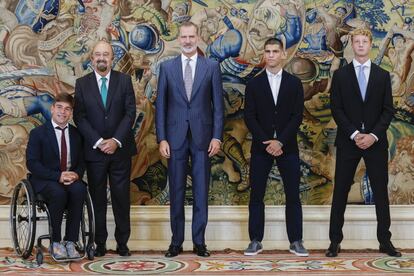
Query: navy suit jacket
<point x="263" y="117"/>
<point x="116" y="120"/>
<point x="203" y="114"/>
<point x="43" y="157"/>
<point x="349" y="109"/>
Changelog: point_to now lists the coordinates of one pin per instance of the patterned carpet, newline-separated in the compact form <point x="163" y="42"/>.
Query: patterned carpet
<point x="220" y="263"/>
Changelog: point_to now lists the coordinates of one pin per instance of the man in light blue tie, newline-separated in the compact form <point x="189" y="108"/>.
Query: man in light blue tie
<point x="361" y="104"/>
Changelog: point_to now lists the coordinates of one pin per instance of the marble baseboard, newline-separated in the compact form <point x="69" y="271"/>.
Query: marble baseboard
<point x="227" y="227"/>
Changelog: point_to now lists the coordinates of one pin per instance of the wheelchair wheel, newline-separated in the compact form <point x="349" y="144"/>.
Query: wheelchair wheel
<point x="23" y="219"/>
<point x="88" y="228"/>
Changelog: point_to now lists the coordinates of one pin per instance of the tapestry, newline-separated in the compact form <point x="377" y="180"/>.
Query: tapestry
<point x="45" y="45"/>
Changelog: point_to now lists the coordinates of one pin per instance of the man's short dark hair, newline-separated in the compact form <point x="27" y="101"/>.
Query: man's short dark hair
<point x="274" y="41"/>
<point x="65" y="98"/>
<point x="190" y="24"/>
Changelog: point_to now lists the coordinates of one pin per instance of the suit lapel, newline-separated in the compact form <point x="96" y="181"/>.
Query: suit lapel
<point x="372" y="74"/>
<point x="178" y="76"/>
<point x="95" y="90"/>
<point x="283" y="88"/>
<point x="112" y="88"/>
<point x="200" y="74"/>
<point x="266" y="88"/>
<point x="354" y="80"/>
<point x="51" y="135"/>
<point x="73" y="146"/>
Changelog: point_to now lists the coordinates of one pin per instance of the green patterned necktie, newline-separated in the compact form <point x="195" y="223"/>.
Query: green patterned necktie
<point x="104" y="90"/>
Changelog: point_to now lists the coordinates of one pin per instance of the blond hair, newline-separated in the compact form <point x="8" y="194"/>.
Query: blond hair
<point x="361" y="31"/>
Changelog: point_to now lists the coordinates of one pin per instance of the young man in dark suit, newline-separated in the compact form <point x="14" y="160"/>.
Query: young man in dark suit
<point x="105" y="113"/>
<point x="55" y="160"/>
<point x="273" y="114"/>
<point x="361" y="104"/>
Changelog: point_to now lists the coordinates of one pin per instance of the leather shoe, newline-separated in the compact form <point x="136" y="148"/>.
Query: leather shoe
<point x="100" y="250"/>
<point x="201" y="250"/>
<point x="333" y="250"/>
<point x="389" y="249"/>
<point x="123" y="250"/>
<point x="173" y="251"/>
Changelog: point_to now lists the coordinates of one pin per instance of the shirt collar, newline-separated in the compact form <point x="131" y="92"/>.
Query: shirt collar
<point x="184" y="58"/>
<point x="99" y="77"/>
<point x="56" y="125"/>
<point x="367" y="63"/>
<point x="271" y="75"/>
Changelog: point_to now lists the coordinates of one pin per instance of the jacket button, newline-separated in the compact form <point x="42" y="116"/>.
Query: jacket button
<point x="106" y="117"/>
<point x="275" y="112"/>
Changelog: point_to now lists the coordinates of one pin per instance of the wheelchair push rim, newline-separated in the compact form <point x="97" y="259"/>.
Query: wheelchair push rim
<point x="23" y="219"/>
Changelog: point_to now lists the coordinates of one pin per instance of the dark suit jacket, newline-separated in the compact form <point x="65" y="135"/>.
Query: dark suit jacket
<point x="350" y="111"/>
<point x="43" y="158"/>
<point x="262" y="117"/>
<point x="116" y="120"/>
<point x="203" y="114"/>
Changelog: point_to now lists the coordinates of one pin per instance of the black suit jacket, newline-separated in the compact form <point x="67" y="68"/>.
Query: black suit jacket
<point x="43" y="157"/>
<point x="350" y="111"/>
<point x="116" y="120"/>
<point x="262" y="117"/>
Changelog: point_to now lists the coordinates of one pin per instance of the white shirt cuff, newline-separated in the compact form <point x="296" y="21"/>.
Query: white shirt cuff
<point x="97" y="143"/>
<point x="117" y="141"/>
<point x="375" y="136"/>
<point x="354" y="134"/>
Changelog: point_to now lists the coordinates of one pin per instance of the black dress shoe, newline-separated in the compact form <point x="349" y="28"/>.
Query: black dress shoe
<point x="123" y="250"/>
<point x="389" y="249"/>
<point x="173" y="251"/>
<point x="201" y="250"/>
<point x="333" y="250"/>
<point x="100" y="250"/>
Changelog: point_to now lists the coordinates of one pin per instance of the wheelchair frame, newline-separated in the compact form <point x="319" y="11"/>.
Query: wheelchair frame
<point x="25" y="210"/>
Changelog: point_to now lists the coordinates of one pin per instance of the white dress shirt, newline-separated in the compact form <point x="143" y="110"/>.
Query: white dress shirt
<point x="193" y="62"/>
<point x="99" y="80"/>
<point x="366" y="65"/>
<point x="274" y="82"/>
<point x="58" y="134"/>
<point x="367" y="70"/>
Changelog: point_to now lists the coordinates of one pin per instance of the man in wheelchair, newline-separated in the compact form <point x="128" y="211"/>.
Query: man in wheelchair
<point x="55" y="159"/>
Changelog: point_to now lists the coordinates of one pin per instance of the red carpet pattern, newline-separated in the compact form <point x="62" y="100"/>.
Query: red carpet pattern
<point x="233" y="263"/>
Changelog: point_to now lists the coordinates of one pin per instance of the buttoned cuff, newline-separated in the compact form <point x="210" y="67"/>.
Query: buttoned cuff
<point x="354" y="134"/>
<point x="97" y="143"/>
<point x="117" y="141"/>
<point x="218" y="140"/>
<point x="375" y="136"/>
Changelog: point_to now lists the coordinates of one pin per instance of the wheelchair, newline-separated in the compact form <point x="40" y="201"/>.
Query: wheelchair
<point x="27" y="209"/>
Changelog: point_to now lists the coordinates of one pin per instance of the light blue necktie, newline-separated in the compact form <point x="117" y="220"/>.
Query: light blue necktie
<point x="362" y="81"/>
<point x="104" y="90"/>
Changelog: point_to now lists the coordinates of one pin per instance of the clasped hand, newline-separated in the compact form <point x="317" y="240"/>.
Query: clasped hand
<point x="108" y="146"/>
<point x="68" y="177"/>
<point x="364" y="141"/>
<point x="273" y="147"/>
